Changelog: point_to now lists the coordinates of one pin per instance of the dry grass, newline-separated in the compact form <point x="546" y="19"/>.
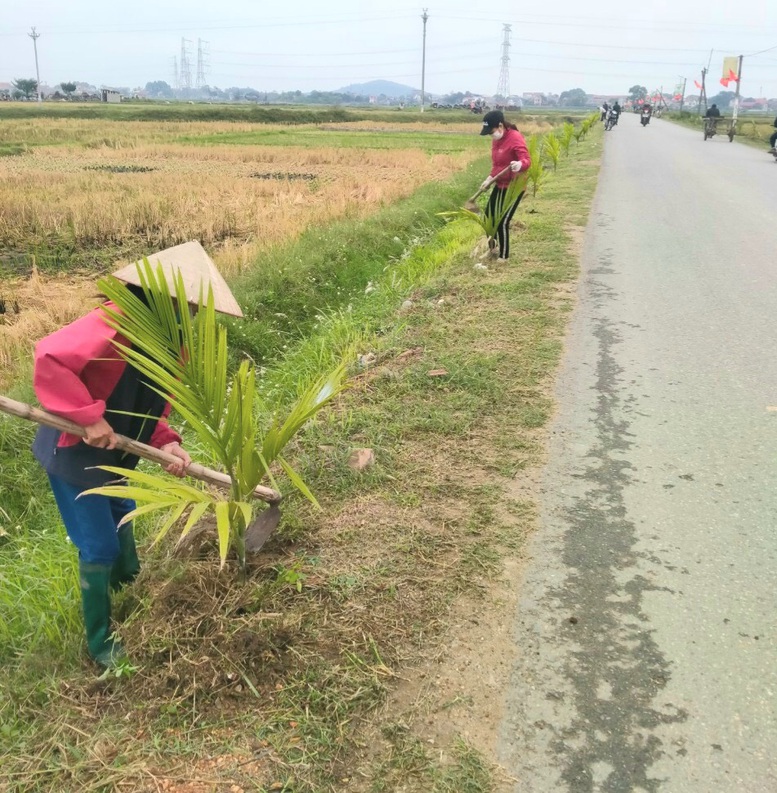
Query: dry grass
<point x="236" y="200"/>
<point x="200" y="193"/>
<point x="36" y="306"/>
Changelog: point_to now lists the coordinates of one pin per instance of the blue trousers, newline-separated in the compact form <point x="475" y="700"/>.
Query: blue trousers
<point x="91" y="521"/>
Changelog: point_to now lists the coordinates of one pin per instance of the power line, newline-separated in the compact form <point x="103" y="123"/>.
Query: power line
<point x="753" y="54"/>
<point x="309" y="21"/>
<point x="479" y="57"/>
<point x="297" y="55"/>
<point x="606" y="24"/>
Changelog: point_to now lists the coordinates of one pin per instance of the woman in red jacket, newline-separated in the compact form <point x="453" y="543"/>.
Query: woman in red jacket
<point x="508" y="148"/>
<point x="79" y="374"/>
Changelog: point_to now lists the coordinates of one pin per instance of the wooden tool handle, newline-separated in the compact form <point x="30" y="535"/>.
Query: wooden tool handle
<point x="23" y="411"/>
<point x="483" y="189"/>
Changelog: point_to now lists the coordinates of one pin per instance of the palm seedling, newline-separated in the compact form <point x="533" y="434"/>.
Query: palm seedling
<point x="552" y="149"/>
<point x="565" y="138"/>
<point x="494" y="211"/>
<point x="536" y="171"/>
<point x="185" y="359"/>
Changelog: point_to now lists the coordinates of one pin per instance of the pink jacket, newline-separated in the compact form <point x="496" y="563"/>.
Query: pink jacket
<point x="511" y="147"/>
<point x="77" y="369"/>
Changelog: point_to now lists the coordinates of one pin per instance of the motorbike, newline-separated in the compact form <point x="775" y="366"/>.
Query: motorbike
<point x="645" y="119"/>
<point x="611" y="120"/>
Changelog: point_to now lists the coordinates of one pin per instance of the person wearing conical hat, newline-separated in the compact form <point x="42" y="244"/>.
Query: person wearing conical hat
<point x="79" y="374"/>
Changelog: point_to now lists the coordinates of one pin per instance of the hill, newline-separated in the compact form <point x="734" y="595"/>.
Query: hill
<point x="378" y="87"/>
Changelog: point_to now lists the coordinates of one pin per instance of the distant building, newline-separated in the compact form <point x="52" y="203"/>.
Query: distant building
<point x="754" y="104"/>
<point x="110" y="96"/>
<point x="533" y="98"/>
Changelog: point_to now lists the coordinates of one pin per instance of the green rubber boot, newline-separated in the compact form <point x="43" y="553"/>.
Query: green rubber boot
<point x="127" y="565"/>
<point x="96" y="601"/>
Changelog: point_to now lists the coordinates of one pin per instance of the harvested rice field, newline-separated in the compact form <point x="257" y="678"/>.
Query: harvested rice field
<point x="80" y="196"/>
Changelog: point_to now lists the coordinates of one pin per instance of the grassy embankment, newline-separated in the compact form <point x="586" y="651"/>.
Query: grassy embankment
<point x="270" y="686"/>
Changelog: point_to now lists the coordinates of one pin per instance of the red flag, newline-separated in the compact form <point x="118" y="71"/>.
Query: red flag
<point x="731" y="77"/>
<point x="697" y="84"/>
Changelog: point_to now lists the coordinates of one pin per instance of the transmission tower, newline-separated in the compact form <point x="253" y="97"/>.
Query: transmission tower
<point x="202" y="55"/>
<point x="184" y="66"/>
<point x="503" y="89"/>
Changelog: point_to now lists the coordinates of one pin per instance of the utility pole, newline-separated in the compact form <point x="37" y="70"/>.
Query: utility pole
<point x="736" y="94"/>
<point x="703" y="93"/>
<point x="424" y="16"/>
<point x="35" y="36"/>
<point x="503" y="88"/>
<point x="682" y="96"/>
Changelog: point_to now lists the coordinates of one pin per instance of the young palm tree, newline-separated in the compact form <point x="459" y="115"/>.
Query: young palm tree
<point x="536" y="171"/>
<point x="490" y="218"/>
<point x="552" y="149"/>
<point x="185" y="359"/>
<point x="567" y="133"/>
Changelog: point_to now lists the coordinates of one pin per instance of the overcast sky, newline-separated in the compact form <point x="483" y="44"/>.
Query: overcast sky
<point x="602" y="46"/>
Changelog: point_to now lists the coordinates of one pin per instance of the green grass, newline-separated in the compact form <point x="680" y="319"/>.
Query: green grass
<point x="260" y="114"/>
<point x="379" y="568"/>
<point x="297" y="286"/>
<point x="432" y="142"/>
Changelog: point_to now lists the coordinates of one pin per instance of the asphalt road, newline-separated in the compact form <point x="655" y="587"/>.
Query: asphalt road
<point x="646" y="624"/>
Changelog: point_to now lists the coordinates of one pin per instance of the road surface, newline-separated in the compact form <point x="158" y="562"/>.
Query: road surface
<point x="646" y="627"/>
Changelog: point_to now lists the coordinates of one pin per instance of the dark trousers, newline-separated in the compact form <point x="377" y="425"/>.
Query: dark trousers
<point x="495" y="207"/>
<point x="773" y="139"/>
<point x="92" y="522"/>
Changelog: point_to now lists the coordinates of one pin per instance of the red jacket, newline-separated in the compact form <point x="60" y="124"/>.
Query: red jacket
<point x="77" y="369"/>
<point x="511" y="147"/>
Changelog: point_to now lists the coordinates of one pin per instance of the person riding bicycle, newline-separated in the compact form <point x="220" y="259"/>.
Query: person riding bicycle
<point x="712" y="114"/>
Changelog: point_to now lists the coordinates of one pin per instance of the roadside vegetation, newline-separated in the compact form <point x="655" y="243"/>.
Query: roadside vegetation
<point x="281" y="683"/>
<point x="751" y="128"/>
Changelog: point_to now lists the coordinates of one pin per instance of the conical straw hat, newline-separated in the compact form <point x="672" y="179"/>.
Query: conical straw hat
<point x="198" y="273"/>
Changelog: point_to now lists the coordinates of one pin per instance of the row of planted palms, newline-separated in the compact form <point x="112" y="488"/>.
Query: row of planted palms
<point x="545" y="152"/>
<point x="221" y="409"/>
